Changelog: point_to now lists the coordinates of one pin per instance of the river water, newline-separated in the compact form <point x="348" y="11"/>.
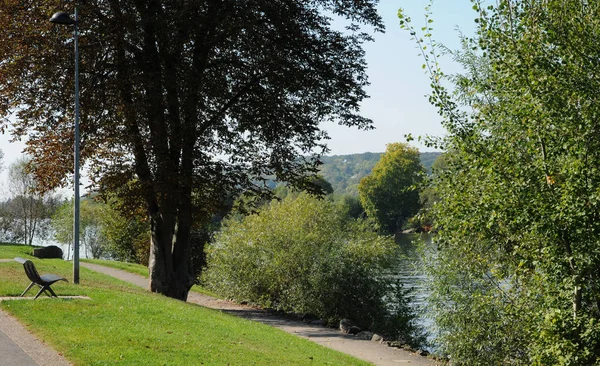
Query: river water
<point x="410" y="269"/>
<point x="410" y="272"/>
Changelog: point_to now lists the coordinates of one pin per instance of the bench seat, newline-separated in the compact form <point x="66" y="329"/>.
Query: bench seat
<point x="44" y="281"/>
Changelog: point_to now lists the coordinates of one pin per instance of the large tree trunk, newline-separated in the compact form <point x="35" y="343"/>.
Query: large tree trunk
<point x="170" y="266"/>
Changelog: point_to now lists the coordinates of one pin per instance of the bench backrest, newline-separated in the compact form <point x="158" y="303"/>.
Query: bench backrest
<point x="30" y="270"/>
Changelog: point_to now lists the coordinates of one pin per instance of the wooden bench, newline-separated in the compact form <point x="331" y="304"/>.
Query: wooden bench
<point x="43" y="281"/>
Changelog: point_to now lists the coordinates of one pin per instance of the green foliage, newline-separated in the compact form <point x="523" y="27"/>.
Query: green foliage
<point x="428" y="195"/>
<point x="105" y="231"/>
<point x="127" y="236"/>
<point x="62" y="223"/>
<point x="390" y="194"/>
<point x="320" y="184"/>
<point x="515" y="279"/>
<point x="428" y="160"/>
<point x="303" y="255"/>
<point x="350" y="205"/>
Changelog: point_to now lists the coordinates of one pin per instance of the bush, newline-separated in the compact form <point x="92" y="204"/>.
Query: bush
<point x="303" y="255"/>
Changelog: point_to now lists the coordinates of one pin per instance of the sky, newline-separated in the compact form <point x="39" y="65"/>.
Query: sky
<point x="398" y="104"/>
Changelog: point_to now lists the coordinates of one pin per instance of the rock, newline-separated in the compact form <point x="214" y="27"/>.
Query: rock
<point x="395" y="344"/>
<point x="51" y="251"/>
<point x="376" y="338"/>
<point x="346" y="326"/>
<point x="365" y="335"/>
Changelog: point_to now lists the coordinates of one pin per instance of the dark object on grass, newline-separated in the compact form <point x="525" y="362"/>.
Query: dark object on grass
<point x="51" y="251"/>
<point x="43" y="281"/>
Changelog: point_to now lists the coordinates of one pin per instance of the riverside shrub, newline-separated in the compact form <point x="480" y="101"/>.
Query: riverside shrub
<point x="304" y="255"/>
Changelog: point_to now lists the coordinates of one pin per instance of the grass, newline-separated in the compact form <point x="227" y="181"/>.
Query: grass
<point x="12" y="250"/>
<point x="127" y="325"/>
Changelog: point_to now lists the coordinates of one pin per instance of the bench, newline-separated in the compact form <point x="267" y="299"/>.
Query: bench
<point x="43" y="281"/>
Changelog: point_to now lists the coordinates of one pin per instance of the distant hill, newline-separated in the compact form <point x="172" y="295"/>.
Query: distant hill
<point x="344" y="172"/>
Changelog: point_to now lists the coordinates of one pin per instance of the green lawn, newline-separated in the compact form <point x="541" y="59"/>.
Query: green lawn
<point x="12" y="250"/>
<point x="125" y="324"/>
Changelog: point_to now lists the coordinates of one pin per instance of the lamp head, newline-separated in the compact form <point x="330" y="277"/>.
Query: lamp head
<point x="62" y="18"/>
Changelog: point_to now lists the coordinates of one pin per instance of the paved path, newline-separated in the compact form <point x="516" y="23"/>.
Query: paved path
<point x="374" y="352"/>
<point x="18" y="347"/>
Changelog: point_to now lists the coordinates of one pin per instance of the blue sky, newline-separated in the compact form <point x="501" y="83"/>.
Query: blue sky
<point x="398" y="103"/>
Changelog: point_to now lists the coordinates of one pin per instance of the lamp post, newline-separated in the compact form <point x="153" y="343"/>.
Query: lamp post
<point x="64" y="19"/>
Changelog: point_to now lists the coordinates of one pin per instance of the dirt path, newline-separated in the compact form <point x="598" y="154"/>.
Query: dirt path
<point x="378" y="354"/>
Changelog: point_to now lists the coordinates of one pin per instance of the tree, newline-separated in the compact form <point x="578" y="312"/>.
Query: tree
<point x="185" y="103"/>
<point x="389" y="194"/>
<point x="27" y="210"/>
<point x="62" y="224"/>
<point x="516" y="273"/>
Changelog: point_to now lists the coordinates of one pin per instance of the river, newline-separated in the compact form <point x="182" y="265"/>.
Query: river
<point x="410" y="272"/>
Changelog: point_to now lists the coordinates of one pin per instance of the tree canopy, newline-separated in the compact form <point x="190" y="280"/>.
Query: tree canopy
<point x="390" y="194"/>
<point x="516" y="277"/>
<point x="184" y="103"/>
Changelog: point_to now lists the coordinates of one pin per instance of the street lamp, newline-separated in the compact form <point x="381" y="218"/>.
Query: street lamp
<point x="65" y="19"/>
